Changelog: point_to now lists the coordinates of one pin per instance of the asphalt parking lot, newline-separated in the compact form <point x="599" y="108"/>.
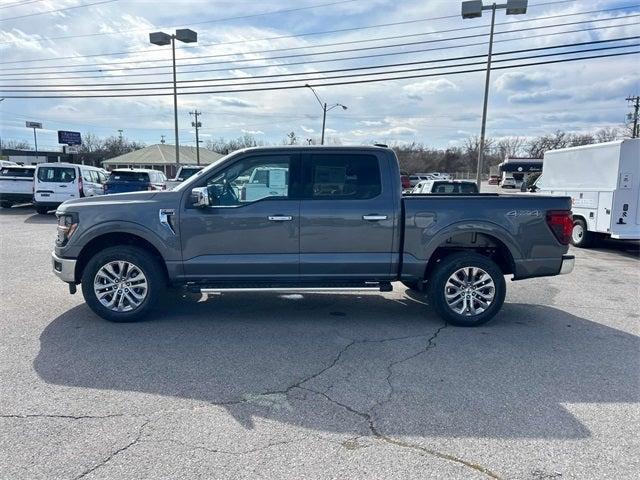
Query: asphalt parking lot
<point x="321" y="385"/>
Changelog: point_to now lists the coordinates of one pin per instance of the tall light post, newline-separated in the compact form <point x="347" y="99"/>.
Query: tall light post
<point x="160" y="38"/>
<point x="325" y="109"/>
<point x="473" y="9"/>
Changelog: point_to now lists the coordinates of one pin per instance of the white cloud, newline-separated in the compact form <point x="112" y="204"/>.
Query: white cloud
<point x="429" y="87"/>
<point x="306" y="129"/>
<point x="543" y="96"/>
<point x="253" y="132"/>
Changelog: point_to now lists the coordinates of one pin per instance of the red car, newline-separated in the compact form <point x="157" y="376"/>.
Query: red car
<point x="494" y="180"/>
<point x="406" y="183"/>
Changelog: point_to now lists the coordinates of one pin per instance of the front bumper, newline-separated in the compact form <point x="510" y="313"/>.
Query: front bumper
<point x="568" y="262"/>
<point x="64" y="268"/>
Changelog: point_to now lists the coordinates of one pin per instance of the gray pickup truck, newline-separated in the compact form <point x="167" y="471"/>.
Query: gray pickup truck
<point x="308" y="218"/>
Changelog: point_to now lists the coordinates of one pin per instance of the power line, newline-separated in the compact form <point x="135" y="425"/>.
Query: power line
<point x="215" y="20"/>
<point x="349" y="82"/>
<point x="306" y="47"/>
<point x="280" y="37"/>
<point x="19" y="4"/>
<point x="160" y="82"/>
<point x="466" y="58"/>
<point x="359" y="57"/>
<point x="56" y="10"/>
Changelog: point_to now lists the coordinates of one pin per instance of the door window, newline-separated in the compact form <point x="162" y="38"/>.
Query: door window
<point x="250" y="180"/>
<point x="342" y="176"/>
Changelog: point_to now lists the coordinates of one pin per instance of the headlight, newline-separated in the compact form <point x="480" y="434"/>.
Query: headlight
<point x="67" y="225"/>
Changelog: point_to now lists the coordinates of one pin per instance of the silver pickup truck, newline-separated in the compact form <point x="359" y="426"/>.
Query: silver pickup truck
<point x="325" y="218"/>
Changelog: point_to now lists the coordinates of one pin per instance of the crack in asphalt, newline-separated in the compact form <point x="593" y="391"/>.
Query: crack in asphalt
<point x="110" y="457"/>
<point x="226" y="452"/>
<point x="61" y="416"/>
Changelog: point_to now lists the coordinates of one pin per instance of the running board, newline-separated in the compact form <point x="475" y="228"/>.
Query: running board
<point x="376" y="287"/>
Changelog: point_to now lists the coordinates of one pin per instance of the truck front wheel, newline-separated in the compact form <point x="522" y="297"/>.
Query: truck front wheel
<point x="466" y="289"/>
<point x="580" y="236"/>
<point x="122" y="283"/>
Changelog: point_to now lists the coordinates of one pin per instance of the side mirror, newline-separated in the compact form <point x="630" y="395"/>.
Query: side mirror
<point x="200" y="197"/>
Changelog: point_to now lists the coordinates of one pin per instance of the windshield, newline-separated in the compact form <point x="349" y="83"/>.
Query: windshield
<point x="444" y="187"/>
<point x="128" y="176"/>
<point x="57" y="174"/>
<point x="17" y="172"/>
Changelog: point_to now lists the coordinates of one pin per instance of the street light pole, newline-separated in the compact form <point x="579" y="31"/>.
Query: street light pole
<point x="175" y="99"/>
<point x="160" y="38"/>
<point x="473" y="9"/>
<point x="324" y="121"/>
<point x="487" y="81"/>
<point x="325" y="109"/>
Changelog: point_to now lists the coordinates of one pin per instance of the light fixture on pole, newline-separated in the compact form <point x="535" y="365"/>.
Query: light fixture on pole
<point x="325" y="109"/>
<point x="473" y="9"/>
<point x="197" y="124"/>
<point x="35" y="126"/>
<point x="160" y="38"/>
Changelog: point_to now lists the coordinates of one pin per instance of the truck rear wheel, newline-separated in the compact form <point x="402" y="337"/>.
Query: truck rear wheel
<point x="580" y="236"/>
<point x="5" y="204"/>
<point x="42" y="210"/>
<point x="122" y="283"/>
<point x="466" y="289"/>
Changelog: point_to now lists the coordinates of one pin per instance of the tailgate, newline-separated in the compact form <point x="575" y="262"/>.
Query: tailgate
<point x="125" y="187"/>
<point x="20" y="185"/>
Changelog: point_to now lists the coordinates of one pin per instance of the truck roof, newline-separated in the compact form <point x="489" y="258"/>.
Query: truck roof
<point x="315" y="148"/>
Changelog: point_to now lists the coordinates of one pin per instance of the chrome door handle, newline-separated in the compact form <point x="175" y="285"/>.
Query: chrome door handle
<point x="374" y="217"/>
<point x="280" y="218"/>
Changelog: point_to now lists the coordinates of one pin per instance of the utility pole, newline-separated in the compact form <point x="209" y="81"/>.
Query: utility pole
<point x="120" y="134"/>
<point x="635" y="100"/>
<point x="197" y="125"/>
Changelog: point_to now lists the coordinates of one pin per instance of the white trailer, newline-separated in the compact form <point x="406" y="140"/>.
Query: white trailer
<point x="603" y="181"/>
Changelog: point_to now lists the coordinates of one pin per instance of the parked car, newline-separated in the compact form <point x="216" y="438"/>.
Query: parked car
<point x="446" y="186"/>
<point x="509" y="182"/>
<point x="55" y="183"/>
<point x="183" y="173"/>
<point x="415" y="179"/>
<point x="340" y="222"/>
<point x="16" y="185"/>
<point x="494" y="180"/>
<point x="126" y="180"/>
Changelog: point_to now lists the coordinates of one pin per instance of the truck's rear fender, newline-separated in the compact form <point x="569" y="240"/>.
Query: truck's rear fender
<point x="483" y="237"/>
<point x="114" y="233"/>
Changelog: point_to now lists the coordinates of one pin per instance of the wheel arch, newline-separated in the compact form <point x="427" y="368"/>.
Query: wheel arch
<point x="111" y="239"/>
<point x="486" y="244"/>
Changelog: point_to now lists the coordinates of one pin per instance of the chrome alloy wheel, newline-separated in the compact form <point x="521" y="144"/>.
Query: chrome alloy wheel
<point x="577" y="233"/>
<point x="120" y="286"/>
<point x="469" y="291"/>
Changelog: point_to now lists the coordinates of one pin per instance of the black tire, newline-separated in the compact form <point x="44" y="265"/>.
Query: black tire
<point x="413" y="286"/>
<point x="5" y="204"/>
<point x="146" y="263"/>
<point x="446" y="268"/>
<point x="42" y="210"/>
<point x="580" y="236"/>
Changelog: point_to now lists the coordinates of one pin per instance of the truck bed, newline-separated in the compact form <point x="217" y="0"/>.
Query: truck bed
<point x="516" y="221"/>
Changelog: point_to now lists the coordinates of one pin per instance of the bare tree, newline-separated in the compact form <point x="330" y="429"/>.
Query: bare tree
<point x="17" y="145"/>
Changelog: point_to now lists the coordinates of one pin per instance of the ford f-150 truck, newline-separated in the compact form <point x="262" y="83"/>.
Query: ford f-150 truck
<point x="331" y="218"/>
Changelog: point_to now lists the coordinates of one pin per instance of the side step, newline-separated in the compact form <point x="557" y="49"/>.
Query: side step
<point x="324" y="287"/>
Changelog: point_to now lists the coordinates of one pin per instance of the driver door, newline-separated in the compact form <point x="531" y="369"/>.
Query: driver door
<point x="251" y="228"/>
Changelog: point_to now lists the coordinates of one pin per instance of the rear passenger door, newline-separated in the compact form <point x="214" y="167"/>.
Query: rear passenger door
<point x="346" y="217"/>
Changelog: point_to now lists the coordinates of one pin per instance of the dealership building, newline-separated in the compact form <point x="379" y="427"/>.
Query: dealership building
<point x="161" y="156"/>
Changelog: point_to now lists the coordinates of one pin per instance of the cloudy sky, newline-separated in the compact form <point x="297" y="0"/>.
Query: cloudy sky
<point x="70" y="44"/>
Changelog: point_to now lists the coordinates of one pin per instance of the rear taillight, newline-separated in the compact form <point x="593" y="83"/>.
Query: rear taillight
<point x="80" y="186"/>
<point x="150" y="187"/>
<point x="561" y="224"/>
